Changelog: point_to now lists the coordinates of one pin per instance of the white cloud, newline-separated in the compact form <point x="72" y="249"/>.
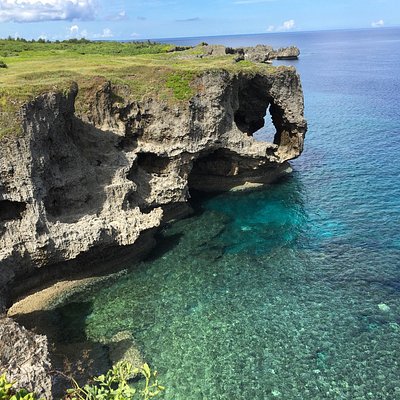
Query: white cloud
<point x="75" y="32"/>
<point x="74" y="29"/>
<point x="378" y="24"/>
<point x="106" y="34"/>
<point x="135" y="34"/>
<point x="286" y="26"/>
<point x="46" y="10"/>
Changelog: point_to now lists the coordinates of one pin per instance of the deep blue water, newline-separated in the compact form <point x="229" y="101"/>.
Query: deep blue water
<point x="293" y="291"/>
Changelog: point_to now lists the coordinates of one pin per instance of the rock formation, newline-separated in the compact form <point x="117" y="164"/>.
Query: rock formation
<point x="258" y="54"/>
<point x="24" y="357"/>
<point x="78" y="184"/>
<point x="287" y="53"/>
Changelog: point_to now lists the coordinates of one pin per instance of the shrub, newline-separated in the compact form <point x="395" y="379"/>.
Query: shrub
<point x="8" y="392"/>
<point x="3" y="64"/>
<point x="114" y="385"/>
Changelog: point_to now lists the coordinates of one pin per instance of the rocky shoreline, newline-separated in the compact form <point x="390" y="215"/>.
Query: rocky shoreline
<point x="258" y="54"/>
<point x="76" y="187"/>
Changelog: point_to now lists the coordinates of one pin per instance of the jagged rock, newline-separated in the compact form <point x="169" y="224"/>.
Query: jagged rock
<point x="25" y="359"/>
<point x="215" y="50"/>
<point x="259" y="53"/>
<point x="287" y="53"/>
<point x="265" y="54"/>
<point x="76" y="184"/>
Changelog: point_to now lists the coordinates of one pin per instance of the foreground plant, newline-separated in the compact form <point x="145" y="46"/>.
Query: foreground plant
<point x="114" y="385"/>
<point x="8" y="392"/>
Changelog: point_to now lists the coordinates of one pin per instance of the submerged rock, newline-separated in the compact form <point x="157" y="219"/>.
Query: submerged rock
<point x="384" y="307"/>
<point x="122" y="346"/>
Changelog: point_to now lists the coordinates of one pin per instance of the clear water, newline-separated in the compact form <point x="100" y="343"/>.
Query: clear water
<point x="293" y="291"/>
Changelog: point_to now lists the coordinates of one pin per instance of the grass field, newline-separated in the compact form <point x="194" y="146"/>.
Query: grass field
<point x="145" y="69"/>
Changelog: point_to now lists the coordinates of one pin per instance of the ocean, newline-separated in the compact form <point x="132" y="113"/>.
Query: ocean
<point x="292" y="291"/>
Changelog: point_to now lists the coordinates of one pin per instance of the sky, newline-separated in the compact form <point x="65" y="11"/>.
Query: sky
<point x="151" y="19"/>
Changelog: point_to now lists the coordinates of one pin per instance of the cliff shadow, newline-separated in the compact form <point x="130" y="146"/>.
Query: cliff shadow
<point x="71" y="353"/>
<point x="165" y="243"/>
<point x="87" y="265"/>
<point x="10" y="211"/>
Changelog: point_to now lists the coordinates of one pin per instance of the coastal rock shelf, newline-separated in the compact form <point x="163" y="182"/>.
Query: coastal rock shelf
<point x="259" y="54"/>
<point x="77" y="183"/>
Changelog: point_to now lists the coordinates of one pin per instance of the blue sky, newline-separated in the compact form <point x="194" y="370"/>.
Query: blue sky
<point x="149" y="19"/>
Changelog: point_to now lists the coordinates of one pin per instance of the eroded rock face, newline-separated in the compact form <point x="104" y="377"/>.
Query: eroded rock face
<point x="287" y="53"/>
<point x="79" y="184"/>
<point x="24" y="357"/>
<point x="258" y="54"/>
<point x="76" y="183"/>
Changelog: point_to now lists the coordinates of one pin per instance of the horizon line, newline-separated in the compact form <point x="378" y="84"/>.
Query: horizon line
<point x="270" y="33"/>
<point x="158" y="39"/>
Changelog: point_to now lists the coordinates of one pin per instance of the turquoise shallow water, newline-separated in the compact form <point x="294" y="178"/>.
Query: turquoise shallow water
<point x="289" y="292"/>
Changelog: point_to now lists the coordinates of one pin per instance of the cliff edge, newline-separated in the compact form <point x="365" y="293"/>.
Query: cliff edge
<point x="92" y="162"/>
<point x="72" y="182"/>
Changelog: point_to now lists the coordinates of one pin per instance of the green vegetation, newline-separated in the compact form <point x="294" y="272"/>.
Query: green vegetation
<point x="8" y="392"/>
<point x="142" y="70"/>
<point x="10" y="47"/>
<point x="180" y="85"/>
<point x="114" y="385"/>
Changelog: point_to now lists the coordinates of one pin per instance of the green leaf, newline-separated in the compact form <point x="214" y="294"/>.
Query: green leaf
<point x="146" y="370"/>
<point x="100" y="378"/>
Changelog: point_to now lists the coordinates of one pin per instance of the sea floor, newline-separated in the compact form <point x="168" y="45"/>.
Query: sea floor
<point x="237" y="302"/>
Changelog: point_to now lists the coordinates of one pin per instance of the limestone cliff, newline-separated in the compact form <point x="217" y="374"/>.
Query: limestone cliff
<point x="79" y="182"/>
<point x="257" y="54"/>
<point x="24" y="356"/>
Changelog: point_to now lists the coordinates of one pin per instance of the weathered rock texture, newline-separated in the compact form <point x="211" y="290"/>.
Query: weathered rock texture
<point x="73" y="184"/>
<point x="25" y="359"/>
<point x="287" y="53"/>
<point x="78" y="184"/>
<point x="258" y="54"/>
